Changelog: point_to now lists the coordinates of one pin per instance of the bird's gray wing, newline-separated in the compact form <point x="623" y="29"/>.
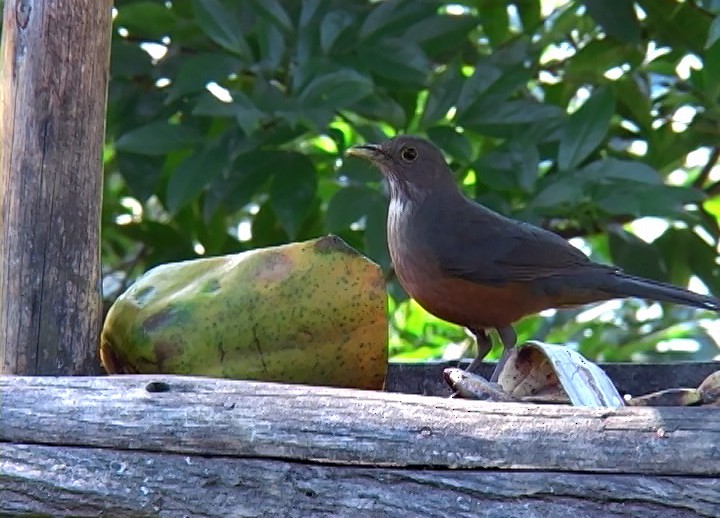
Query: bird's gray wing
<point x="490" y="249"/>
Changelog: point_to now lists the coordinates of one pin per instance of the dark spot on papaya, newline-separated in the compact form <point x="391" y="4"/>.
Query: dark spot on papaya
<point x="332" y="243"/>
<point x="166" y="317"/>
<point x="157" y="386"/>
<point x="211" y="286"/>
<point x="144" y="293"/>
<point x="164" y="351"/>
<point x="273" y="267"/>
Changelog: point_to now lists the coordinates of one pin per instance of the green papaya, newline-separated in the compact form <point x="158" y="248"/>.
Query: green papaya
<point x="313" y="312"/>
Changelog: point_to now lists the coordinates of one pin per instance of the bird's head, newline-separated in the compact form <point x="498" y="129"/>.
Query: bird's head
<point x="413" y="166"/>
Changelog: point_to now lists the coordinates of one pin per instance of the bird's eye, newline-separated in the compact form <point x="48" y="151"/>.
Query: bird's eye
<point x="409" y="154"/>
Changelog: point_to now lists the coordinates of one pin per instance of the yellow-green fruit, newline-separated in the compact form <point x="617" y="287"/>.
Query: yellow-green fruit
<point x="311" y="312"/>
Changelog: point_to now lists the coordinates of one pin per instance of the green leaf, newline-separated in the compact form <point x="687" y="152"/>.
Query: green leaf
<point x="164" y="241"/>
<point x="208" y="105"/>
<point x="194" y="173"/>
<point x="347" y="206"/>
<point x="668" y="200"/>
<point x="397" y="60"/>
<point x="274" y="11"/>
<point x="712" y="6"/>
<point x="443" y="94"/>
<point x="508" y="113"/>
<point x="711" y="71"/>
<point x="381" y="107"/>
<point x="141" y="173"/>
<point x="565" y="192"/>
<point x="248" y="115"/>
<point x="676" y="24"/>
<point x="336" y="89"/>
<point x="597" y="57"/>
<point x="713" y="33"/>
<point x="214" y="235"/>
<point x="266" y="228"/>
<point x="636" y="256"/>
<point x="221" y="25"/>
<point x="248" y="173"/>
<point x="196" y="72"/>
<point x="292" y="191"/>
<point x="146" y="19"/>
<point x="530" y="12"/>
<point x="333" y="25"/>
<point x="686" y="254"/>
<point x="440" y="34"/>
<point x="358" y="171"/>
<point x="495" y="22"/>
<point x="511" y="167"/>
<point x="624" y="197"/>
<point x="613" y="200"/>
<point x="452" y="142"/>
<point x="272" y="46"/>
<point x="128" y="60"/>
<point x="484" y="75"/>
<point x="524" y="159"/>
<point x="633" y="101"/>
<point x="391" y="16"/>
<point x="617" y="18"/>
<point x="310" y="8"/>
<point x="585" y="129"/>
<point x="157" y="138"/>
<point x="609" y="169"/>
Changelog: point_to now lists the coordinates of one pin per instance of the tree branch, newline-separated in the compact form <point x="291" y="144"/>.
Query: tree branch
<point x="707" y="168"/>
<point x="568" y="229"/>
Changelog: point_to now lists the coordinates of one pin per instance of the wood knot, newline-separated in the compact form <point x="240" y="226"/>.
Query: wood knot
<point x="157" y="386"/>
<point x="22" y="13"/>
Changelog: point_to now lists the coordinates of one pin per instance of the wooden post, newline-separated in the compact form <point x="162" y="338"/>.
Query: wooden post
<point x="53" y="91"/>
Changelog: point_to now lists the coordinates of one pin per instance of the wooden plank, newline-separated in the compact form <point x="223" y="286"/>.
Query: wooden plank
<point x="53" y="86"/>
<point x="629" y="378"/>
<point x="66" y="481"/>
<point x="251" y="419"/>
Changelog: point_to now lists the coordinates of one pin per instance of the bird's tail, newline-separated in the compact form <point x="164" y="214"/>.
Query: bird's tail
<point x="625" y="285"/>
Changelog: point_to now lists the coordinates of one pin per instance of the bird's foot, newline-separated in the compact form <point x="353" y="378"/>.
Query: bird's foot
<point x="484" y="344"/>
<point x="508" y="337"/>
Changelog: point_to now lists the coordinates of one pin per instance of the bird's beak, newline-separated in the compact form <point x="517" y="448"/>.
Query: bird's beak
<point x="371" y="152"/>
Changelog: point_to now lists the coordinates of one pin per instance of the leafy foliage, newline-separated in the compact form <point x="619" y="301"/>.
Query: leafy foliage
<point x="228" y="122"/>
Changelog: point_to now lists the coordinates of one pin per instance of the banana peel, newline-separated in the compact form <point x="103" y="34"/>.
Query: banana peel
<point x="313" y="312"/>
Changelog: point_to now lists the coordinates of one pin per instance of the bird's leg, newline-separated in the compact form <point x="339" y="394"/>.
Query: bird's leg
<point x="484" y="344"/>
<point x="508" y="337"/>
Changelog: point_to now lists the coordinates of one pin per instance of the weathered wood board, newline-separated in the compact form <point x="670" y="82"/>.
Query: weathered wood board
<point x="96" y="481"/>
<point x="164" y="446"/>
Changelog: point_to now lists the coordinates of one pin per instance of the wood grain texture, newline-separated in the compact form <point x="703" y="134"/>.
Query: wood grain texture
<point x="300" y="423"/>
<point x="68" y="481"/>
<point x="53" y="90"/>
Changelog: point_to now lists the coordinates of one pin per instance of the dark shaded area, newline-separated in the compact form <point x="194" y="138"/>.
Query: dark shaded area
<point x="629" y="378"/>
